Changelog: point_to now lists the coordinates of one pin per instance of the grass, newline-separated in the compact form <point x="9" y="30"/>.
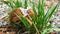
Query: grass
<point x="39" y="20"/>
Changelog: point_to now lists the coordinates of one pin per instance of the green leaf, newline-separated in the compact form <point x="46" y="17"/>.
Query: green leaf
<point x="40" y="9"/>
<point x="24" y="21"/>
<point x="50" y="11"/>
<point x="25" y="4"/>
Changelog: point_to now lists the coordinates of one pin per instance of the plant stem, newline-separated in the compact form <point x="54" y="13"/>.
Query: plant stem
<point x="34" y="25"/>
<point x="36" y="28"/>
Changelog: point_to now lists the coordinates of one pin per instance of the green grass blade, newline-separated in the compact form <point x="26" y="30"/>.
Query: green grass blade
<point x="40" y="9"/>
<point x="25" y="4"/>
<point x="24" y="21"/>
<point x="50" y="11"/>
